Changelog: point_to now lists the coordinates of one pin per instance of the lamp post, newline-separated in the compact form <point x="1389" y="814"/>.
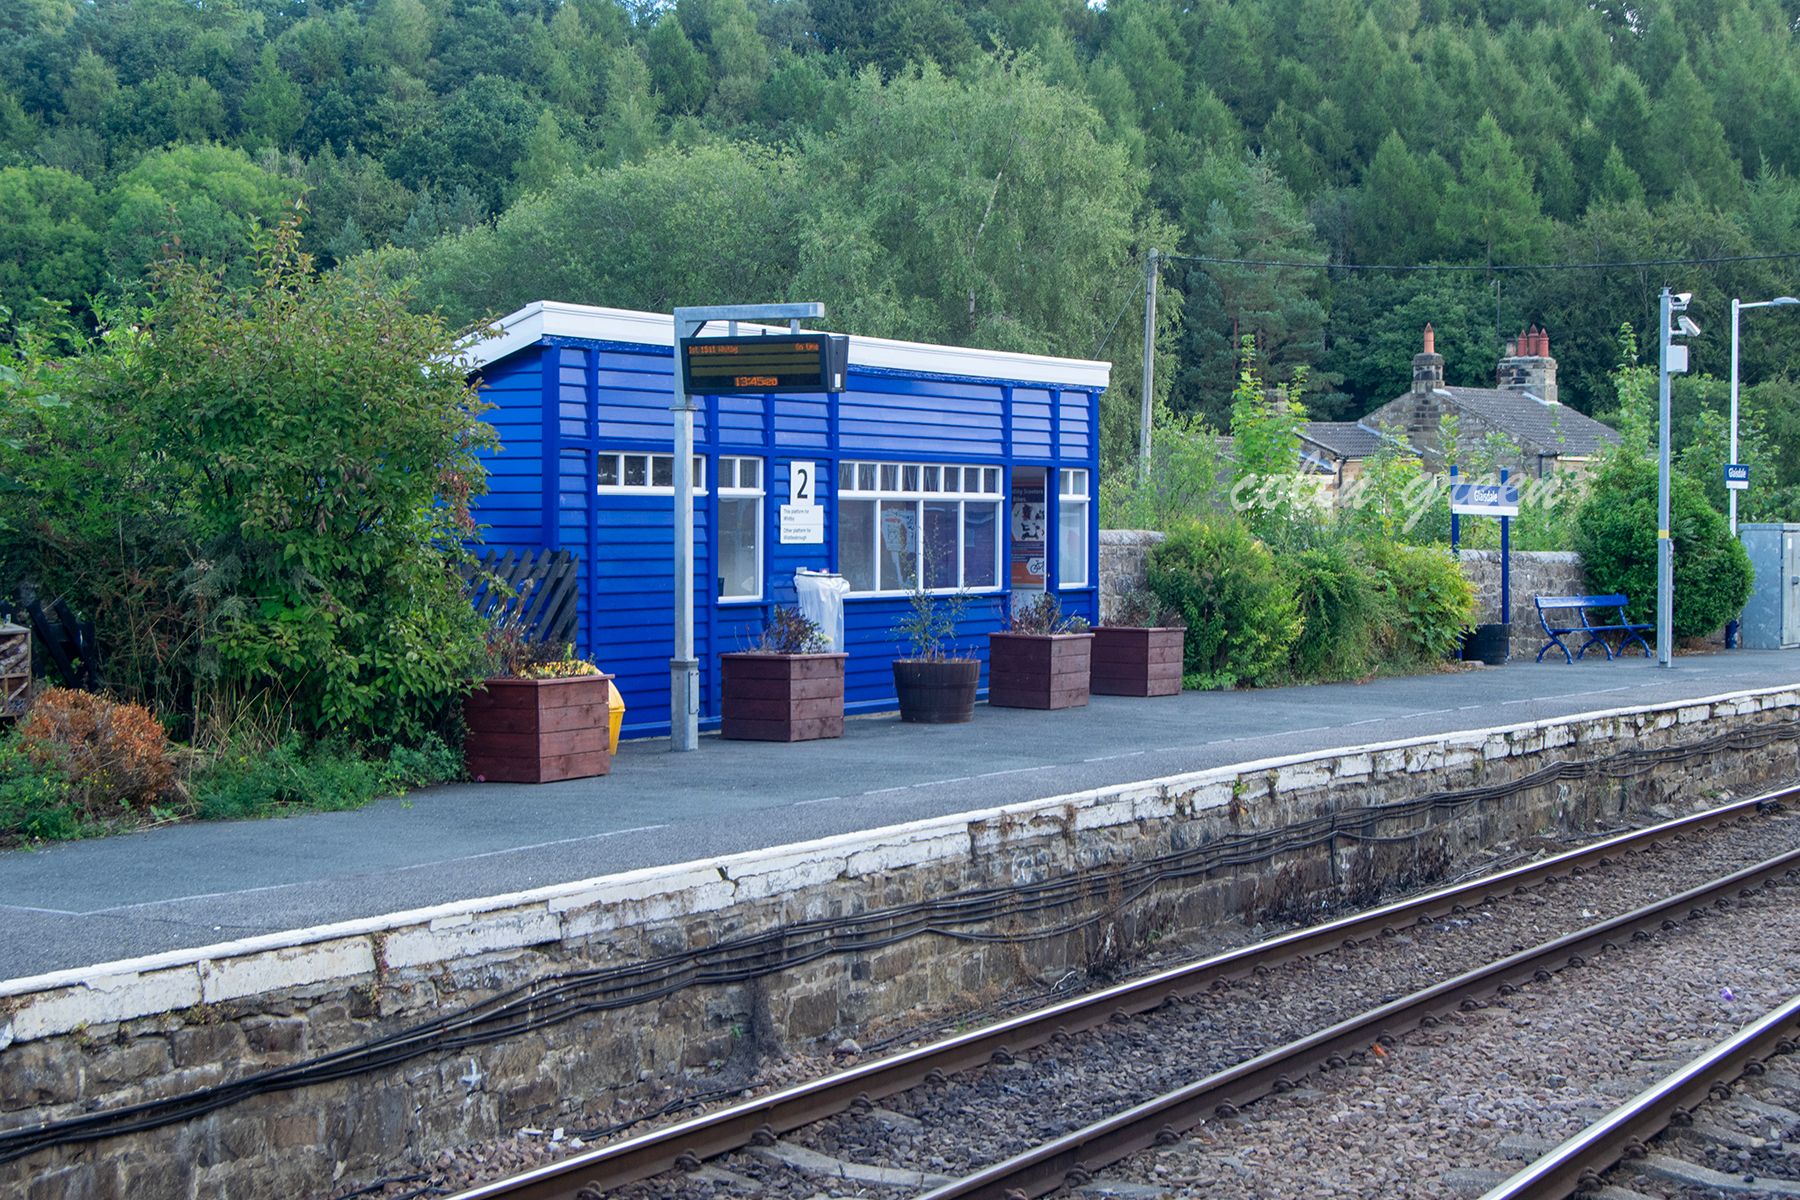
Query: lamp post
<point x="1672" y="359"/>
<point x="1738" y="306"/>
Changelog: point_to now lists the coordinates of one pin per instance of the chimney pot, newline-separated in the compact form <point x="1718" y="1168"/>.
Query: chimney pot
<point x="1430" y="339"/>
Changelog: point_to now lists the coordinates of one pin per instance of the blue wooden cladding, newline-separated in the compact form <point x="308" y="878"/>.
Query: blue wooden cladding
<point x="570" y="384"/>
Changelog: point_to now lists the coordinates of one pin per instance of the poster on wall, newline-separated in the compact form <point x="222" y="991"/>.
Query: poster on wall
<point x="1029" y="519"/>
<point x="899" y="531"/>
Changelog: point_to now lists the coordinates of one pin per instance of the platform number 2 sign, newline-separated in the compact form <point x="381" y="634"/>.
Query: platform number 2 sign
<point x="801" y="482"/>
<point x="802" y="520"/>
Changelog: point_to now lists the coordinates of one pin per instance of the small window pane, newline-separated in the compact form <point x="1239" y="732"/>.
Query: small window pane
<point x="662" y="471"/>
<point x="953" y="479"/>
<point x="980" y="545"/>
<point x="635" y="467"/>
<point x="932" y="479"/>
<point x="990" y="481"/>
<point x="890" y="477"/>
<point x="1071" y="547"/>
<point x="909" y="479"/>
<point x="899" y="544"/>
<point x="740" y="572"/>
<point x="609" y="470"/>
<point x="699" y="473"/>
<point x="865" y="477"/>
<point x="942" y="518"/>
<point x="856" y="543"/>
<point x="749" y="472"/>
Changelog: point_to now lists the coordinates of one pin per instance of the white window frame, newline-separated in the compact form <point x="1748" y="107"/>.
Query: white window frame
<point x="1072" y="492"/>
<point x="620" y="488"/>
<point x="730" y="469"/>
<point x="906" y="482"/>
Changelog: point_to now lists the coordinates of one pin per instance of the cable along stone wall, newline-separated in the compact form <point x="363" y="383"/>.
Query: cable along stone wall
<point x="570" y="1004"/>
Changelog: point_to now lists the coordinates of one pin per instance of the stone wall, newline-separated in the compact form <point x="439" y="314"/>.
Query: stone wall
<point x="1123" y="556"/>
<point x="1124" y="552"/>
<point x="85" y="1043"/>
<point x="1536" y="573"/>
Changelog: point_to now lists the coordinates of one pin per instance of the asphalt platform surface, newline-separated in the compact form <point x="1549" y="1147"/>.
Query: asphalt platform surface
<point x="74" y="904"/>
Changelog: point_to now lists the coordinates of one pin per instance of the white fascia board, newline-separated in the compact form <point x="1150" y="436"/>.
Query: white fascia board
<point x="549" y="318"/>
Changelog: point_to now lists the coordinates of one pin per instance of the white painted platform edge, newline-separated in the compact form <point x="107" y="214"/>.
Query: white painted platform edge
<point x="63" y="1000"/>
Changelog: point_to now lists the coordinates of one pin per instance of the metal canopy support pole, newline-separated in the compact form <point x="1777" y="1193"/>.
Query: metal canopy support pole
<point x="1505" y="559"/>
<point x="1455" y="518"/>
<point x="1665" y="548"/>
<point x="1145" y="405"/>
<point x="684" y="668"/>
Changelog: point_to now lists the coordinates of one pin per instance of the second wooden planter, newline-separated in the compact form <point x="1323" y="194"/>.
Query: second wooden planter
<point x="781" y="697"/>
<point x="1130" y="661"/>
<point x="1038" y="670"/>
<point x="936" y="691"/>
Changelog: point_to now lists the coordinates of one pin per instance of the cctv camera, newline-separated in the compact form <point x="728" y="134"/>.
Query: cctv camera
<point x="1679" y="301"/>
<point x="1686" y="327"/>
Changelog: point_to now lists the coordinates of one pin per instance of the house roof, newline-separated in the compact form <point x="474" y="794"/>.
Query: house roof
<point x="1345" y="439"/>
<point x="1538" y="426"/>
<point x="548" y="318"/>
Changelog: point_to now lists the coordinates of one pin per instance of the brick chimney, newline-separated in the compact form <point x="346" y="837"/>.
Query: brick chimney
<point x="1428" y="368"/>
<point x="1526" y="366"/>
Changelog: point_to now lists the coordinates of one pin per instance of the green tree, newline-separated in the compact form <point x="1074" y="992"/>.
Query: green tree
<point x="274" y="108"/>
<point x="549" y="155"/>
<point x="203" y="201"/>
<point x="49" y="248"/>
<point x="1492" y="213"/>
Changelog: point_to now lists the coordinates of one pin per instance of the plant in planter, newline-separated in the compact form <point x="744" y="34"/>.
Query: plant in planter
<point x="935" y="681"/>
<point x="788" y="687"/>
<point x="1040" y="659"/>
<point x="1139" y="652"/>
<point x="540" y="716"/>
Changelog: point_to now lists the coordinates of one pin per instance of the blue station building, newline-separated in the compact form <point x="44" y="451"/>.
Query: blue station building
<point x="976" y="470"/>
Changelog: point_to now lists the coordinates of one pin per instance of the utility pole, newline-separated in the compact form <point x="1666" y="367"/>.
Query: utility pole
<point x="1146" y="404"/>
<point x="1671" y="360"/>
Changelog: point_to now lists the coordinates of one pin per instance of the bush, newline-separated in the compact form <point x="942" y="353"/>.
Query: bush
<point x="1617" y="539"/>
<point x="1431" y="603"/>
<point x="34" y="799"/>
<point x="326" y="778"/>
<point x="1344" y="611"/>
<point x="112" y="756"/>
<point x="1241" y="615"/>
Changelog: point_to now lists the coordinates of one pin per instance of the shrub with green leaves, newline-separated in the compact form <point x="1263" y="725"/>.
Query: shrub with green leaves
<point x="1344" y="609"/>
<point x="35" y="799"/>
<point x="1432" y="603"/>
<point x="1617" y="539"/>
<point x="1241" y="614"/>
<point x="293" y="776"/>
<point x="260" y="495"/>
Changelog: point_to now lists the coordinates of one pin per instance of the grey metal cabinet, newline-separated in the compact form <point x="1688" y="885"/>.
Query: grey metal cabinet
<point x="1772" y="617"/>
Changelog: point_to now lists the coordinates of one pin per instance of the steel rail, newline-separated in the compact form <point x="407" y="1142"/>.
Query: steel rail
<point x="1622" y="1133"/>
<point x="1073" y="1158"/>
<point x="690" y="1142"/>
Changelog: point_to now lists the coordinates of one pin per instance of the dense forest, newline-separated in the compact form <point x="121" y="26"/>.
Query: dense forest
<point x="990" y="172"/>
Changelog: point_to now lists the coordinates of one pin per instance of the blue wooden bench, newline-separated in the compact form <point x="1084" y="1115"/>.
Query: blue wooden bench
<point x="1596" y="634"/>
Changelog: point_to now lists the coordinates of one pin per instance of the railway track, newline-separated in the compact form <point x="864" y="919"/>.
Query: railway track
<point x="1075" y="1156"/>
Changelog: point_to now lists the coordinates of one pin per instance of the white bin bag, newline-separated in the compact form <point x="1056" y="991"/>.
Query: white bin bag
<point x="821" y="597"/>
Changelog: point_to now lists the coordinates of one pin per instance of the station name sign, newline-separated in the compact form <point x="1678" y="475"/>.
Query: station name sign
<point x="750" y="366"/>
<point x="1484" y="499"/>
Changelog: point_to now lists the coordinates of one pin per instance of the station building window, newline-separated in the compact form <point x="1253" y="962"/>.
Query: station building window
<point x="900" y="523"/>
<point x="1072" y="527"/>
<point x="648" y="474"/>
<point x="740" y="486"/>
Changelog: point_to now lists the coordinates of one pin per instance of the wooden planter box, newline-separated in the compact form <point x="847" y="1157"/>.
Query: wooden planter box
<point x="1137" y="662"/>
<point x="782" y="697"/>
<point x="1038" y="670"/>
<point x="537" y="730"/>
<point x="936" y="691"/>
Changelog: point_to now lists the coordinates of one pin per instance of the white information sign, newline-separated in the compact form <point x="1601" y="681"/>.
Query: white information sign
<point x="802" y="524"/>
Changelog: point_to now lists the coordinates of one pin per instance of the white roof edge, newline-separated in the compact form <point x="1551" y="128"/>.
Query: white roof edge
<point x="551" y="318"/>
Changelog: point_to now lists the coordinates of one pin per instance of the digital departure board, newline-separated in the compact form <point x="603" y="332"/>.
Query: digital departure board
<point x="789" y="362"/>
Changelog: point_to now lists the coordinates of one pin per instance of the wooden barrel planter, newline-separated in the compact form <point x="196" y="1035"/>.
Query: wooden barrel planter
<point x="537" y="730"/>
<point x="781" y="697"/>
<point x="1129" y="661"/>
<point x="1039" y="670"/>
<point x="936" y="691"/>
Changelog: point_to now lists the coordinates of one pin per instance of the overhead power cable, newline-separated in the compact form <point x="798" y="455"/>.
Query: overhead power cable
<point x="1479" y="268"/>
